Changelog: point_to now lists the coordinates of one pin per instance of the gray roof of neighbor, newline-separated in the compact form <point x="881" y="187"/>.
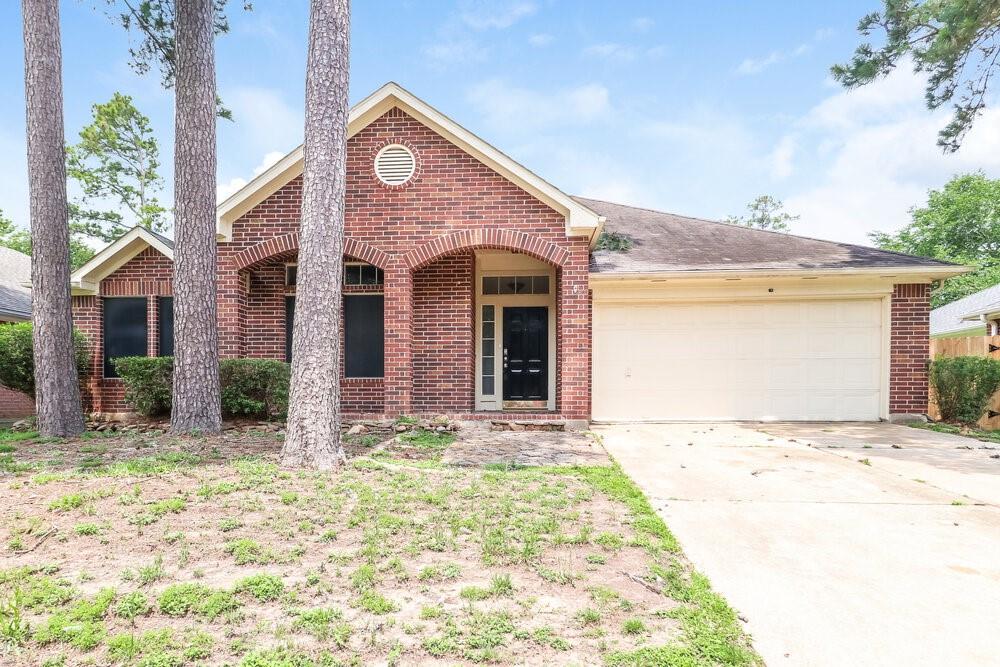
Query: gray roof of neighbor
<point x="169" y="242"/>
<point x="948" y="318"/>
<point x="15" y="270"/>
<point x="668" y="242"/>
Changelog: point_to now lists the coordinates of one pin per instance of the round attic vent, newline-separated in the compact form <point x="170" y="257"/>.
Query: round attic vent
<point x="395" y="164"/>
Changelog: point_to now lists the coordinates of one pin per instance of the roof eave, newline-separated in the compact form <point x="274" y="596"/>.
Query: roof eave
<point x="910" y="273"/>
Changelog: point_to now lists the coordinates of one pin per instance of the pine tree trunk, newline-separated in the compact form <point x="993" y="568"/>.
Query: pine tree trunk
<point x="196" y="399"/>
<point x="57" y="387"/>
<point x="313" y="434"/>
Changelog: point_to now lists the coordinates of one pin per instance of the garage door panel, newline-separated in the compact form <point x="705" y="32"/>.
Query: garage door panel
<point x="802" y="360"/>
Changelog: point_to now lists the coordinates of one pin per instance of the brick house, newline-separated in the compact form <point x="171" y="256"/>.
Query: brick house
<point x="473" y="287"/>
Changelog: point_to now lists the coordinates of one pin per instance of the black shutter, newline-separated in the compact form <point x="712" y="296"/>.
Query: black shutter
<point x="124" y="330"/>
<point x="166" y="326"/>
<point x="289" y="319"/>
<point x="364" y="336"/>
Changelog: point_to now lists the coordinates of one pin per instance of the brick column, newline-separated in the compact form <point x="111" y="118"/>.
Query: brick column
<point x="909" y="349"/>
<point x="573" y="339"/>
<point x="233" y="287"/>
<point x="398" y="339"/>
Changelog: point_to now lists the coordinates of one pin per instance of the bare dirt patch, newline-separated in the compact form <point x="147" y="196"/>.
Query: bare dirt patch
<point x="146" y="549"/>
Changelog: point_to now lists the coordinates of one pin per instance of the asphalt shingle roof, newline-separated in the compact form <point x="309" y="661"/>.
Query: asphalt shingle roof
<point x="15" y="270"/>
<point x="948" y="318"/>
<point x="668" y="242"/>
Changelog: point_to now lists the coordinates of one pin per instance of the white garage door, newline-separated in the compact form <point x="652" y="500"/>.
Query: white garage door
<point x="782" y="360"/>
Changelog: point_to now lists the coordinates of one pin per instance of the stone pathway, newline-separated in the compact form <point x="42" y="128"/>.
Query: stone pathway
<point x="478" y="446"/>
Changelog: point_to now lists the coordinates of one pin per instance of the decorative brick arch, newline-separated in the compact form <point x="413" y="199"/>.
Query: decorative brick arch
<point x="287" y="243"/>
<point x="499" y="239"/>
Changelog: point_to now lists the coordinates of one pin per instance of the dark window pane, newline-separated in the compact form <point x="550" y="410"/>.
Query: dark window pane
<point x="166" y="326"/>
<point x="487" y="313"/>
<point x="540" y="285"/>
<point x="487" y="365"/>
<point x="379" y="277"/>
<point x="488" y="386"/>
<point x="508" y="285"/>
<point x="352" y="274"/>
<point x="523" y="284"/>
<point x="491" y="285"/>
<point x="368" y="275"/>
<point x="487" y="329"/>
<point x="364" y="336"/>
<point x="124" y="330"/>
<point x="289" y="319"/>
<point x="291" y="273"/>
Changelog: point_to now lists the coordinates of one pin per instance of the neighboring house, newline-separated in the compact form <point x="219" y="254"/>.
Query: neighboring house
<point x="470" y="289"/>
<point x="974" y="315"/>
<point x="15" y="306"/>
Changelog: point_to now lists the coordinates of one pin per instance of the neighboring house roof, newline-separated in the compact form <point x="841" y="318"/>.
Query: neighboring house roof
<point x="668" y="243"/>
<point x="962" y="315"/>
<point x="580" y="220"/>
<point x="15" y="273"/>
<point x="87" y="278"/>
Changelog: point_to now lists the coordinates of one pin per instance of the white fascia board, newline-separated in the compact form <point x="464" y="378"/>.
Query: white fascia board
<point x="580" y="220"/>
<point x="87" y="279"/>
<point x="910" y="274"/>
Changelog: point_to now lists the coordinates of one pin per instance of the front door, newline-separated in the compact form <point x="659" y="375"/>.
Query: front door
<point x="525" y="354"/>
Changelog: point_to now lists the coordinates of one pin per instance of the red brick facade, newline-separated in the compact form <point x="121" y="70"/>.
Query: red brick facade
<point x="909" y="349"/>
<point x="423" y="236"/>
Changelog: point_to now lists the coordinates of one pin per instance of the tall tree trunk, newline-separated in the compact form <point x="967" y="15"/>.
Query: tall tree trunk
<point x="196" y="400"/>
<point x="313" y="435"/>
<point x="57" y="388"/>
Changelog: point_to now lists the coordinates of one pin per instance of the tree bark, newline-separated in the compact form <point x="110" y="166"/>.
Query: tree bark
<point x="196" y="399"/>
<point x="313" y="433"/>
<point x="57" y="387"/>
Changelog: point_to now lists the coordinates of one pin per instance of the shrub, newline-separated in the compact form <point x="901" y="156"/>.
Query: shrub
<point x="17" y="363"/>
<point x="254" y="387"/>
<point x="148" y="383"/>
<point x="250" y="387"/>
<point x="963" y="386"/>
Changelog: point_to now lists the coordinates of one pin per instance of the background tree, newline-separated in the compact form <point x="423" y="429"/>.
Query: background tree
<point x="954" y="41"/>
<point x="16" y="238"/>
<point x="960" y="223"/>
<point x="116" y="163"/>
<point x="764" y="212"/>
<point x="313" y="434"/>
<point x="57" y="389"/>
<point x="197" y="400"/>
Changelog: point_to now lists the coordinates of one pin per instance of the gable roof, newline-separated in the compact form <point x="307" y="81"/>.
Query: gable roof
<point x="580" y="220"/>
<point x="668" y="243"/>
<point x="87" y="278"/>
<point x="15" y="273"/>
<point x="961" y="315"/>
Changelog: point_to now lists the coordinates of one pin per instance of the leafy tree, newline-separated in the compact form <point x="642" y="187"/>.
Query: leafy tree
<point x="153" y="22"/>
<point x="957" y="42"/>
<point x="116" y="161"/>
<point x="960" y="223"/>
<point x="57" y="389"/>
<point x="18" y="239"/>
<point x="764" y="212"/>
<point x="17" y="364"/>
<point x="313" y="437"/>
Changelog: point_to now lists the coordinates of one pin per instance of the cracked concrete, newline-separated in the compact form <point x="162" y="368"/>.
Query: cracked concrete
<point x="833" y="561"/>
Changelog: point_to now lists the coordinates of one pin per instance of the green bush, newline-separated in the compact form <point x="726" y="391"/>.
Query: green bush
<point x="17" y="362"/>
<point x="254" y="387"/>
<point x="963" y="386"/>
<point x="250" y="387"/>
<point x="148" y="383"/>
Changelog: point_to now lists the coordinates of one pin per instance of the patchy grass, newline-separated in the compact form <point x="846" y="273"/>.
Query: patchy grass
<point x="176" y="551"/>
<point x="968" y="432"/>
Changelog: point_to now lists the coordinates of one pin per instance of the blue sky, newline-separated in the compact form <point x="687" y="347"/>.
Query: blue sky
<point x="693" y="108"/>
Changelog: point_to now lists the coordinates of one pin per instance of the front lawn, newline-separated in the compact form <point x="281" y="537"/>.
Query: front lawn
<point x="151" y="550"/>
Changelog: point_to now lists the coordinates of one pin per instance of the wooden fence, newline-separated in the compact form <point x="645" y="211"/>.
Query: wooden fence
<point x="974" y="346"/>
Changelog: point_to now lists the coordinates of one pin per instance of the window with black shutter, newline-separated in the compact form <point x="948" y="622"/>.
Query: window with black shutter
<point x="125" y="330"/>
<point x="166" y="326"/>
<point x="364" y="334"/>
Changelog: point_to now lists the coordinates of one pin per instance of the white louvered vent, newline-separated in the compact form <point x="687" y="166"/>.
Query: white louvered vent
<point x="395" y="164"/>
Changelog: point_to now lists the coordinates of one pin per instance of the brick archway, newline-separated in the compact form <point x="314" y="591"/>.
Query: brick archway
<point x="287" y="243"/>
<point x="498" y="239"/>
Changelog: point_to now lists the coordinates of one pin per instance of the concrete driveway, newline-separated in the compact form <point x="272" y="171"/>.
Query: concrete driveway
<point x="832" y="560"/>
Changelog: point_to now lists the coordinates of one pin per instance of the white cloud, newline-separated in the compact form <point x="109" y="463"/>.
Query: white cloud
<point x="264" y="121"/>
<point x="514" y="109"/>
<point x="782" y="157"/>
<point x="642" y="24"/>
<point x="489" y="14"/>
<point x="540" y="39"/>
<point x="458" y="51"/>
<point x="226" y="189"/>
<point x="751" y="66"/>
<point x="611" y="51"/>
